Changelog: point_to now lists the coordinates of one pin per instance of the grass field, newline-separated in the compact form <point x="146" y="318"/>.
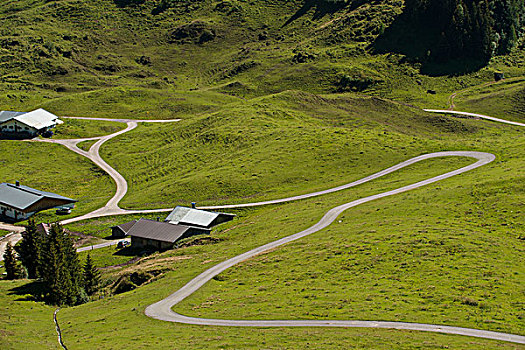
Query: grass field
<point x="54" y="168"/>
<point x="248" y="152"/>
<point x="265" y="114"/>
<point x="397" y="251"/>
<point x="504" y="100"/>
<point x="424" y="258"/>
<point x="310" y="264"/>
<point x="76" y="129"/>
<point x="105" y="257"/>
<point x="31" y="324"/>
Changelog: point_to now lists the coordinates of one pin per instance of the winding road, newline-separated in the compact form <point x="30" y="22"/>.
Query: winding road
<point x="111" y="208"/>
<point x="474" y="115"/>
<point x="162" y="310"/>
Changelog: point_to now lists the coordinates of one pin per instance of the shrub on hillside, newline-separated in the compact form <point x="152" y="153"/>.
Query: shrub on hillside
<point x="126" y="3"/>
<point x="196" y="32"/>
<point x="356" y="83"/>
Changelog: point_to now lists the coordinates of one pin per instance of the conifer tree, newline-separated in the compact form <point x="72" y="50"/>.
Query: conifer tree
<point x="29" y="249"/>
<point x="60" y="268"/>
<point x="91" y="276"/>
<point x="10" y="263"/>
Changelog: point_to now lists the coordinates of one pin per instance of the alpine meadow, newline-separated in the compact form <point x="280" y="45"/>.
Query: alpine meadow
<point x="262" y="174"/>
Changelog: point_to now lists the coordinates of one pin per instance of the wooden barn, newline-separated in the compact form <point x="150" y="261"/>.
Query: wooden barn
<point x="157" y="234"/>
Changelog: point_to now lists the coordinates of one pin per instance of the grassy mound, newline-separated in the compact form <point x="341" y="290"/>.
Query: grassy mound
<point x="249" y="151"/>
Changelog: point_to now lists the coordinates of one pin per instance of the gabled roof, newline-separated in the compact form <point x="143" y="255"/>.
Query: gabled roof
<point x="8" y="115"/>
<point x="190" y="216"/>
<point x="126" y="226"/>
<point x="157" y="230"/>
<point x="21" y="197"/>
<point x="38" y="119"/>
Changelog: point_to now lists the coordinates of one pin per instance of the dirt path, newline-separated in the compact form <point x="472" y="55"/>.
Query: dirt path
<point x="162" y="310"/>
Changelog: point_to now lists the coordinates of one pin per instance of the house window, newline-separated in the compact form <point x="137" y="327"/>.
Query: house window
<point x="10" y="126"/>
<point x="26" y="128"/>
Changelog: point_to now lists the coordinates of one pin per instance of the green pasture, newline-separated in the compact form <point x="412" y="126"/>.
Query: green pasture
<point x="504" y="100"/>
<point x="77" y="128"/>
<point x="265" y="115"/>
<point x="54" y="168"/>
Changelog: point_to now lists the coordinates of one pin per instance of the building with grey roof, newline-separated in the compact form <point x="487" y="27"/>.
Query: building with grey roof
<point x="121" y="231"/>
<point x="30" y="124"/>
<point x="159" y="235"/>
<point x="19" y="202"/>
<point x="197" y="217"/>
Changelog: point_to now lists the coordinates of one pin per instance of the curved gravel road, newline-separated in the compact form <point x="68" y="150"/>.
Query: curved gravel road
<point x="111" y="207"/>
<point x="162" y="310"/>
<point x="474" y="115"/>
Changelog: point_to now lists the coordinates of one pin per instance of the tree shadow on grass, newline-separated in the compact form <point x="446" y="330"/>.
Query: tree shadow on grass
<point x="417" y="40"/>
<point x="31" y="291"/>
<point x="131" y="251"/>
<point x="322" y="8"/>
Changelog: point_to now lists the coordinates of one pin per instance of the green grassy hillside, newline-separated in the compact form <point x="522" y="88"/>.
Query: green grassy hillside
<point x="504" y="100"/>
<point x="249" y="150"/>
<point x="277" y="98"/>
<point x="109" y="58"/>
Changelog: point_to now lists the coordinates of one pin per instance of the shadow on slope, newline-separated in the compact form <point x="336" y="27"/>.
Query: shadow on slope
<point x="32" y="291"/>
<point x="417" y="40"/>
<point x="322" y="8"/>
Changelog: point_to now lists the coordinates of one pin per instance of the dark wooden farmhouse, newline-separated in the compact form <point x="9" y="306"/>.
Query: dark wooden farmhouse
<point x="18" y="202"/>
<point x="157" y="234"/>
<point x="121" y="231"/>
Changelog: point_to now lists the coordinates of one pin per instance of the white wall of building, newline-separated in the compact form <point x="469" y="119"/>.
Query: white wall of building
<point x="12" y="126"/>
<point x="13" y="213"/>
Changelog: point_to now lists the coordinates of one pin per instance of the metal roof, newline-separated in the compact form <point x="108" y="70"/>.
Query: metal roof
<point x="157" y="230"/>
<point x="190" y="216"/>
<point x="126" y="226"/>
<point x="21" y="197"/>
<point x="38" y="119"/>
<point x="8" y="115"/>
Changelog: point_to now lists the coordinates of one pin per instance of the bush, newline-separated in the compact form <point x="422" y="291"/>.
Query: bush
<point x="354" y="83"/>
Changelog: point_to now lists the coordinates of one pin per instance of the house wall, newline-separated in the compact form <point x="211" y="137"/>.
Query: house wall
<point x="14" y="126"/>
<point x="220" y="219"/>
<point x="12" y="214"/>
<point x="195" y="231"/>
<point x="137" y="242"/>
<point x="47" y="203"/>
<point x="116" y="232"/>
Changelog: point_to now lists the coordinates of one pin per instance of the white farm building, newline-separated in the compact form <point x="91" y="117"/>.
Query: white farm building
<point x="26" y="124"/>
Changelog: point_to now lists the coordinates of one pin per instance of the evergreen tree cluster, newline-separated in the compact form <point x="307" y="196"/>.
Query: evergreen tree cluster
<point x="13" y="269"/>
<point x="53" y="259"/>
<point x="469" y="28"/>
